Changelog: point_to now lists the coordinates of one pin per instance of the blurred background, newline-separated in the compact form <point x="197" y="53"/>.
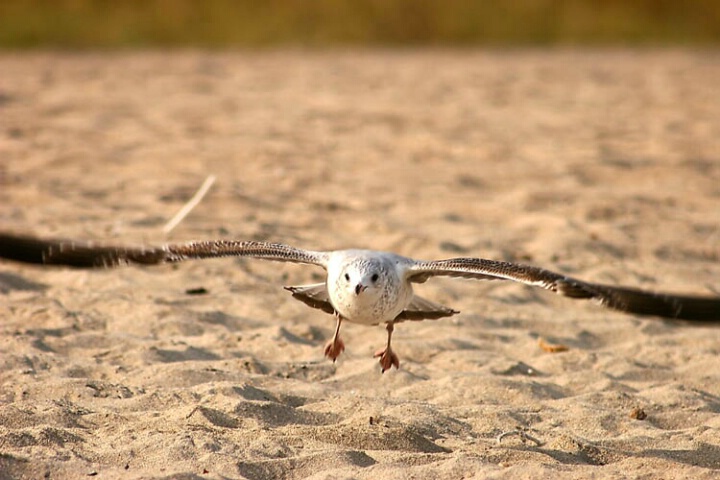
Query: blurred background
<point x="321" y="23"/>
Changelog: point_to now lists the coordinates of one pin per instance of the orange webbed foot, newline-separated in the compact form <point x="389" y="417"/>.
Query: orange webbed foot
<point x="388" y="359"/>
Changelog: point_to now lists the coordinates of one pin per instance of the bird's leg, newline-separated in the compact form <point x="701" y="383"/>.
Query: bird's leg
<point x="387" y="356"/>
<point x="334" y="347"/>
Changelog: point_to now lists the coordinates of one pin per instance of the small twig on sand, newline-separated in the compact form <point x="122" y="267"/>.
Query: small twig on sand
<point x="522" y="434"/>
<point x="190" y="204"/>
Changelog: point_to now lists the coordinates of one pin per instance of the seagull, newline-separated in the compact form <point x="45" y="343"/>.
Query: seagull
<point x="367" y="287"/>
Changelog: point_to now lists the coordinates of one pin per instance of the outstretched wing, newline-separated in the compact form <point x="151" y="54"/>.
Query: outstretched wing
<point x="30" y="249"/>
<point x="625" y="299"/>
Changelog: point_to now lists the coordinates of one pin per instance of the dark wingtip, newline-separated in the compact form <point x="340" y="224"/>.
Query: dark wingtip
<point x="23" y="248"/>
<point x="29" y="249"/>
<point x="678" y="307"/>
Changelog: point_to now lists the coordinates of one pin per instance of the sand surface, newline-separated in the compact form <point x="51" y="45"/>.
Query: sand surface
<point x="604" y="165"/>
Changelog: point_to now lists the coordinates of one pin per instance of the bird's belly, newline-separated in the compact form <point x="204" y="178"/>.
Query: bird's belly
<point x="379" y="310"/>
<point x="366" y="317"/>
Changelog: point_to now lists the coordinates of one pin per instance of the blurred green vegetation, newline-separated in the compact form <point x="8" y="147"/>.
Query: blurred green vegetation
<point x="260" y="23"/>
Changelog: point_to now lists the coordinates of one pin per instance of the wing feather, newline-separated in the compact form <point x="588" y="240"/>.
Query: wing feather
<point x="423" y="309"/>
<point x="631" y="300"/>
<point x="77" y="254"/>
<point x="315" y="296"/>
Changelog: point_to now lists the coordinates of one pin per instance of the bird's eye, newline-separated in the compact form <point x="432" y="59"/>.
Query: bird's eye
<point x="375" y="277"/>
<point x="347" y="277"/>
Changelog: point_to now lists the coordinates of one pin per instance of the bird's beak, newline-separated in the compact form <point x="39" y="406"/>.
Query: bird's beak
<point x="360" y="288"/>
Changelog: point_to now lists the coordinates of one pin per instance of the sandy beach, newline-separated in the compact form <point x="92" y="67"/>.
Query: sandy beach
<point x="604" y="165"/>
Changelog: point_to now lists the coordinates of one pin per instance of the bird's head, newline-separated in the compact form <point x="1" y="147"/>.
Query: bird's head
<point x="363" y="278"/>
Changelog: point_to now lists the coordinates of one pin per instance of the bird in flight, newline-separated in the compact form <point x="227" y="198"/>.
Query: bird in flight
<point x="363" y="286"/>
